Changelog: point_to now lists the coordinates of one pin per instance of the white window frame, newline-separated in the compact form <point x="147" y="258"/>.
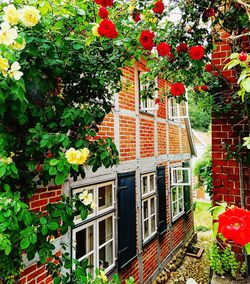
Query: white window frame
<point x="94" y="219"/>
<point x="176" y="181"/>
<point x="178" y="199"/>
<point x="148" y="105"/>
<point x="147" y="197"/>
<point x="173" y="105"/>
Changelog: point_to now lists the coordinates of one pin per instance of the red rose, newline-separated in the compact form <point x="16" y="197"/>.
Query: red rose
<point x="208" y="13"/>
<point x="242" y="56"/>
<point x="234" y="224"/>
<point x="158" y="7"/>
<point x="136" y="16"/>
<point x="182" y="47"/>
<point x="171" y="58"/>
<point x="163" y="49"/>
<point x="204" y="88"/>
<point x="209" y="68"/>
<point x="157" y="100"/>
<point x="107" y="29"/>
<point x="177" y="89"/>
<point x="103" y="12"/>
<point x="196" y="52"/>
<point x="104" y="3"/>
<point x="146" y="39"/>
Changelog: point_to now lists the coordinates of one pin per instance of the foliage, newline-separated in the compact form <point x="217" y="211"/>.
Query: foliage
<point x="203" y="171"/>
<point x="223" y="261"/>
<point x="199" y="111"/>
<point x="202" y="229"/>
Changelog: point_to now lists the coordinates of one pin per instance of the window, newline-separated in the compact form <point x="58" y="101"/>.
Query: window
<point x="148" y="187"/>
<point x="177" y="110"/>
<point x="180" y="177"/>
<point x="94" y="238"/>
<point x="147" y="105"/>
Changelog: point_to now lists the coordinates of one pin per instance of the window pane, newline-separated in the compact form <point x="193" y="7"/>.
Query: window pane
<point x="146" y="229"/>
<point x="105" y="230"/>
<point x="144" y="184"/>
<point x="179" y="175"/>
<point x="152" y="182"/>
<point x="105" y="197"/>
<point x="145" y="209"/>
<point x="180" y="192"/>
<point x="84" y="242"/>
<point x="106" y="256"/>
<point x="181" y="205"/>
<point x="174" y="194"/>
<point x="152" y="205"/>
<point x="153" y="228"/>
<point x="175" y="209"/>
<point x="91" y="262"/>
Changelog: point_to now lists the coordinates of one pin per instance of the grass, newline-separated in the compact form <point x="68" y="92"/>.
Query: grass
<point x="202" y="216"/>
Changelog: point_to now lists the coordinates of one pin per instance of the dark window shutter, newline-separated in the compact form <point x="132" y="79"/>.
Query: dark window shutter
<point x="187" y="190"/>
<point x="161" y="188"/>
<point x="126" y="219"/>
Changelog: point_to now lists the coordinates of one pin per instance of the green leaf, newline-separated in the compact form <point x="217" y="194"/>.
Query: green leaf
<point x="247" y="248"/>
<point x="57" y="280"/>
<point x="43" y="221"/>
<point x="53" y="226"/>
<point x="44" y="230"/>
<point x="52" y="171"/>
<point x="84" y="214"/>
<point x="7" y="250"/>
<point x="245" y="84"/>
<point x="24" y="243"/>
<point x="215" y="229"/>
<point x="59" y="179"/>
<point x="2" y="170"/>
<point x="53" y="162"/>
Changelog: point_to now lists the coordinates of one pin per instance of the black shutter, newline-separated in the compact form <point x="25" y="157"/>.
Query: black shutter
<point x="161" y="188"/>
<point x="187" y="190"/>
<point x="126" y="219"/>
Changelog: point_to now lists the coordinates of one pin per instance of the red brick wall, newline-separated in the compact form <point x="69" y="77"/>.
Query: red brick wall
<point x="146" y="138"/>
<point x="149" y="259"/>
<point x="127" y="138"/>
<point x="162" y="138"/>
<point x="226" y="180"/>
<point x="174" y="139"/>
<point x="127" y="95"/>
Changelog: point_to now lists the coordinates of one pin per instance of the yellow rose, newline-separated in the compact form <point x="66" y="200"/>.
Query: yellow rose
<point x="95" y="30"/>
<point x="131" y="8"/>
<point x="103" y="276"/>
<point x="7" y="34"/>
<point x="19" y="46"/>
<point x="29" y="16"/>
<point x="14" y="71"/>
<point x="70" y="155"/>
<point x="82" y="155"/>
<point x="4" y="64"/>
<point x="11" y="15"/>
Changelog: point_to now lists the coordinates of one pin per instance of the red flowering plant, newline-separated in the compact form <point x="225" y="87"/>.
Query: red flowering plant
<point x="233" y="224"/>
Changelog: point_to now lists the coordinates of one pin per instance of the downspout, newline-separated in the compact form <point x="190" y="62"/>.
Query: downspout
<point x="242" y="194"/>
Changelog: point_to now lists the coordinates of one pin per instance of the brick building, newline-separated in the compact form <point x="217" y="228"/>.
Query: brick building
<point x="143" y="206"/>
<point x="231" y="179"/>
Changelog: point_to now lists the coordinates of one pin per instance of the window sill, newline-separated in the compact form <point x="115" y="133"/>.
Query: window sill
<point x="174" y="219"/>
<point x="146" y="113"/>
<point x="147" y="241"/>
